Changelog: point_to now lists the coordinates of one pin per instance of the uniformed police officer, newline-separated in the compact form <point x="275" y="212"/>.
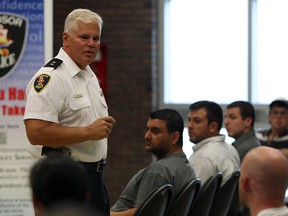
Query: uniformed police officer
<point x="66" y="110"/>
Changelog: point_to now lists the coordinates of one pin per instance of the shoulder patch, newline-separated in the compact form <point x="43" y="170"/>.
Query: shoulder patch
<point x="54" y="63"/>
<point x="41" y="82"/>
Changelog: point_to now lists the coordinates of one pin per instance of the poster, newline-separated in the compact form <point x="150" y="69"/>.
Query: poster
<point x="25" y="45"/>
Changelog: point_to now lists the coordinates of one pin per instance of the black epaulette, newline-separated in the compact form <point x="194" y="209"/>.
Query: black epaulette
<point x="54" y="63"/>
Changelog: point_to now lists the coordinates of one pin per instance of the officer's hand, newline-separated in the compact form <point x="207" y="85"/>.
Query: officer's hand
<point x="101" y="128"/>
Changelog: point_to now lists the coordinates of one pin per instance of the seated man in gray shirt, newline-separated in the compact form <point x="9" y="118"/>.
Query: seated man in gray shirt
<point x="239" y="122"/>
<point x="164" y="140"/>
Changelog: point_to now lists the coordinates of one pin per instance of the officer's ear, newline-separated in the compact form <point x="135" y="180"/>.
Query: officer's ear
<point x="65" y="37"/>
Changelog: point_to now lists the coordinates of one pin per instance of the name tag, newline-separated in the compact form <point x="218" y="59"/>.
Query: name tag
<point x="78" y="95"/>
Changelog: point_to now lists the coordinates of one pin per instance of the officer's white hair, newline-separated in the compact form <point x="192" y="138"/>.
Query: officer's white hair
<point x="82" y="15"/>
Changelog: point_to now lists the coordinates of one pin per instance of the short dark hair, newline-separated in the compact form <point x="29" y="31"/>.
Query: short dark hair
<point x="278" y="103"/>
<point x="56" y="178"/>
<point x="246" y="109"/>
<point x="174" y="121"/>
<point x="214" y="111"/>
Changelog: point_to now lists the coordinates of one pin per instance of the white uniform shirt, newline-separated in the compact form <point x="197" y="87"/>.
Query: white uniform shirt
<point x="213" y="155"/>
<point x="72" y="97"/>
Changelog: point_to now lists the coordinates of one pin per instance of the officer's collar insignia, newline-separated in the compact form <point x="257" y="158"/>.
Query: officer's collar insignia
<point x="41" y="82"/>
<point x="54" y="63"/>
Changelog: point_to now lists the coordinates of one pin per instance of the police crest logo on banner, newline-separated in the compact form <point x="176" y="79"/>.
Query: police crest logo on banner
<point x="13" y="30"/>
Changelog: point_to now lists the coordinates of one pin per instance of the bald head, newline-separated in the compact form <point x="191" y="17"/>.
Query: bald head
<point x="264" y="170"/>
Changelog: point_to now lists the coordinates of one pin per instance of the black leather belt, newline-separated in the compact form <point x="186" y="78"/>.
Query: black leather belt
<point x="95" y="166"/>
<point x="91" y="166"/>
<point x="49" y="150"/>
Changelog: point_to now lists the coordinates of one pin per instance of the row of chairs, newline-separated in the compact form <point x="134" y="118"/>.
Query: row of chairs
<point x="211" y="199"/>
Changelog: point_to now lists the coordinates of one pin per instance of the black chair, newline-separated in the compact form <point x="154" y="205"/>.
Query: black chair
<point x="186" y="198"/>
<point x="224" y="196"/>
<point x="236" y="208"/>
<point x="207" y="193"/>
<point x="157" y="202"/>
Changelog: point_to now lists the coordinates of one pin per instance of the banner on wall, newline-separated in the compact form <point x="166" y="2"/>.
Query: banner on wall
<point x="22" y="53"/>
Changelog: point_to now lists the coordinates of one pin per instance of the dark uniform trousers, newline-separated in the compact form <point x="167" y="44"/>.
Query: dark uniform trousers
<point x="99" y="199"/>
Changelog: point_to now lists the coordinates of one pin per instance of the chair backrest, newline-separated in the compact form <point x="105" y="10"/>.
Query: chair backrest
<point x="206" y="196"/>
<point x="157" y="202"/>
<point x="186" y="198"/>
<point x="224" y="196"/>
<point x="236" y="208"/>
